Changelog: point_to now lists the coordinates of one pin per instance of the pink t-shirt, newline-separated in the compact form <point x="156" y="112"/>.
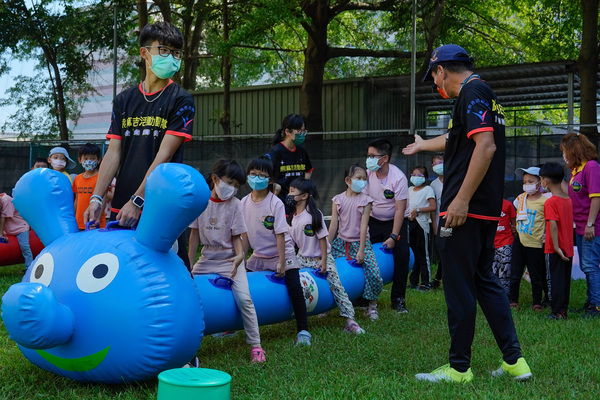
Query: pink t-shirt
<point x="13" y="222"/>
<point x="584" y="184"/>
<point x="264" y="220"/>
<point x="350" y="211"/>
<point x="305" y="237"/>
<point x="385" y="192"/>
<point x="219" y="222"/>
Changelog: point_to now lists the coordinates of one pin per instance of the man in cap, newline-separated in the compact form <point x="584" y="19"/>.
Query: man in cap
<point x="470" y="209"/>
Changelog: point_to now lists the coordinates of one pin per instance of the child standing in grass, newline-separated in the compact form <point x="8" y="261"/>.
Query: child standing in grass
<point x="219" y="229"/>
<point x="421" y="200"/>
<point x="268" y="235"/>
<point x="558" y="211"/>
<point x="85" y="183"/>
<point x="350" y="221"/>
<point x="59" y="159"/>
<point x="314" y="251"/>
<point x="503" y="242"/>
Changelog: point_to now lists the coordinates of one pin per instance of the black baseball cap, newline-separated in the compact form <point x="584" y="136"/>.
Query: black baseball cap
<point x="445" y="53"/>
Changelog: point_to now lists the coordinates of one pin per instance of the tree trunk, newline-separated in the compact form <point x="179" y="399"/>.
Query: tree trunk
<point x="315" y="57"/>
<point x="225" y="119"/>
<point x="588" y="68"/>
<point x="193" y="24"/>
<point x="142" y="8"/>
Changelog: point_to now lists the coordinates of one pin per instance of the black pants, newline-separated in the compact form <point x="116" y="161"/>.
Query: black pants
<point x="292" y="282"/>
<point x="419" y="243"/>
<point x="468" y="255"/>
<point x="559" y="272"/>
<point x="534" y="259"/>
<point x="380" y="232"/>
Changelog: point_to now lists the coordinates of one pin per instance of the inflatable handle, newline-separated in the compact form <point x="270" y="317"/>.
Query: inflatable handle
<point x="317" y="274"/>
<point x="221" y="282"/>
<point x="3" y="239"/>
<point x="87" y="225"/>
<point x="386" y="250"/>
<point x="275" y="279"/>
<point x="354" y="263"/>
<point x="112" y="224"/>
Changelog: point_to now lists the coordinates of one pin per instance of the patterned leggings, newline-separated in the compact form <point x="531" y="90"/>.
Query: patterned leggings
<point x="502" y="266"/>
<point x="339" y="293"/>
<point x="373" y="280"/>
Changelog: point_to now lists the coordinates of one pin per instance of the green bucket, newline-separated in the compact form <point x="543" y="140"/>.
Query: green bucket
<point x="194" y="383"/>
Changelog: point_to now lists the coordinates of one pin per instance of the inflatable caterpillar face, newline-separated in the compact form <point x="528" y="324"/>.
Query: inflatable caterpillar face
<point x="108" y="305"/>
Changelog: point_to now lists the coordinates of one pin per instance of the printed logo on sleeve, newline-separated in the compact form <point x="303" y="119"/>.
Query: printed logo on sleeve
<point x="308" y="230"/>
<point x="269" y="222"/>
<point x="388" y="194"/>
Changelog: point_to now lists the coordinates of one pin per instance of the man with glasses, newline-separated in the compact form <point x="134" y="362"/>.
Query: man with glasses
<point x="150" y="123"/>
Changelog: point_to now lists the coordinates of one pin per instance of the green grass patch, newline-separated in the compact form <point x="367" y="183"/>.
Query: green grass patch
<point x="378" y="365"/>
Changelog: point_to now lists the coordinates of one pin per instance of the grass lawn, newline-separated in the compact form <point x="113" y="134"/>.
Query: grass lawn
<point x="563" y="355"/>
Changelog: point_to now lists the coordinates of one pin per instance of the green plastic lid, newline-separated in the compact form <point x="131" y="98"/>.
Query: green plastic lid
<point x="194" y="377"/>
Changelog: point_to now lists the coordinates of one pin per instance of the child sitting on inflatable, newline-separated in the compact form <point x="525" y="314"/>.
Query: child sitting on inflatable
<point x="11" y="223"/>
<point x="309" y="232"/>
<point x="351" y="210"/>
<point x="219" y="229"/>
<point x="268" y="235"/>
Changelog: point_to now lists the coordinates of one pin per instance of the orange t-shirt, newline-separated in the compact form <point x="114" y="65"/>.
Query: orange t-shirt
<point x="84" y="189"/>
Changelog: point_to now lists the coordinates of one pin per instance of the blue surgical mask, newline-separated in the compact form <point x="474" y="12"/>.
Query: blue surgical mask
<point x="372" y="164"/>
<point x="164" y="67"/>
<point x="358" y="186"/>
<point x="89" y="165"/>
<point x="439" y="169"/>
<point x="417" y="180"/>
<point x="257" y="182"/>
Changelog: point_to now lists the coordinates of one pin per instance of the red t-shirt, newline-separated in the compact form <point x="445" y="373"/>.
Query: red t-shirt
<point x="560" y="210"/>
<point x="504" y="234"/>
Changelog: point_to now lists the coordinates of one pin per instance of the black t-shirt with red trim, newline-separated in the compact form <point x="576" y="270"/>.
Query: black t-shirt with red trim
<point x="289" y="165"/>
<point x="141" y="125"/>
<point x="475" y="110"/>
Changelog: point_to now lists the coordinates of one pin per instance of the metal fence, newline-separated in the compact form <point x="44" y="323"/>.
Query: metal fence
<point x="330" y="152"/>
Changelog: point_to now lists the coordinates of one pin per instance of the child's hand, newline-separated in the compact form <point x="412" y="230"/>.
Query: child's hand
<point x="561" y="254"/>
<point x="360" y="256"/>
<point x="412" y="215"/>
<point x="237" y="260"/>
<point x="389" y="243"/>
<point x="280" y="270"/>
<point x="322" y="267"/>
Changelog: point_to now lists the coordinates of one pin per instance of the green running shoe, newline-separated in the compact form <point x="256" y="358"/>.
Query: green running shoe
<point x="519" y="370"/>
<point x="448" y="374"/>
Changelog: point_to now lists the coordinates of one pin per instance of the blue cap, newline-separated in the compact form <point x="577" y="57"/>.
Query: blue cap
<point x="531" y="171"/>
<point x="446" y="53"/>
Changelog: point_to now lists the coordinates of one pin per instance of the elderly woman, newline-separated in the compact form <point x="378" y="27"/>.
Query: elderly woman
<point x="584" y="190"/>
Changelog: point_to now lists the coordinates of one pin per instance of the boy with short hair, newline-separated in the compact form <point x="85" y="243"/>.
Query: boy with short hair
<point x="84" y="184"/>
<point x="558" y="211"/>
<point x="59" y="160"/>
<point x="40" y="162"/>
<point x="388" y="187"/>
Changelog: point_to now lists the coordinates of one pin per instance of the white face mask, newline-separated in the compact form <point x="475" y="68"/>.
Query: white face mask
<point x="372" y="164"/>
<point x="530" y="189"/>
<point x="225" y="191"/>
<point x="58" y="164"/>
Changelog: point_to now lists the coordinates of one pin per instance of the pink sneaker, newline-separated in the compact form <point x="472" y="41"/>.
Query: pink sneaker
<point x="258" y="355"/>
<point x="353" y="328"/>
<point x="372" y="313"/>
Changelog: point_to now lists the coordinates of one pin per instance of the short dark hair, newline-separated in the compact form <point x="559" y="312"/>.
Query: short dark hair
<point x="382" y="145"/>
<point x="166" y="33"/>
<point x="229" y="168"/>
<point x="40" y="159"/>
<point x="91" y="149"/>
<point x="422" y="169"/>
<point x="439" y="156"/>
<point x="352" y="169"/>
<point x="553" y="171"/>
<point x="292" y="121"/>
<point x="262" y="163"/>
<point x="455" y="67"/>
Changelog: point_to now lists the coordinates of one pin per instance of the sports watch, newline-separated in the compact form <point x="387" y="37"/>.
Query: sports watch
<point x="590" y="224"/>
<point x="138" y="201"/>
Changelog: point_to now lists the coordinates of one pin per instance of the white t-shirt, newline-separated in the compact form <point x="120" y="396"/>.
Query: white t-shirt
<point x="437" y="187"/>
<point x="420" y="199"/>
<point x="305" y="236"/>
<point x="264" y="220"/>
<point x="385" y="192"/>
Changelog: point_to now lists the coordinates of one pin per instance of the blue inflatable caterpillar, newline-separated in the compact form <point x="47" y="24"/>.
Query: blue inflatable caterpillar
<point x="112" y="305"/>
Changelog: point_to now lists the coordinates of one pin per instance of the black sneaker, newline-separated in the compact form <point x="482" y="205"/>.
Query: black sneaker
<point x="424" y="288"/>
<point x="436" y="284"/>
<point x="586" y="306"/>
<point x="592" y="312"/>
<point x="400" y="306"/>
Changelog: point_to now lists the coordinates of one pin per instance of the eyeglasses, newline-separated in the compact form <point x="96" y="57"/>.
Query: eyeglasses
<point x="375" y="155"/>
<point x="418" y="175"/>
<point x="301" y="133"/>
<point x="259" y="176"/>
<point x="165" y="51"/>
